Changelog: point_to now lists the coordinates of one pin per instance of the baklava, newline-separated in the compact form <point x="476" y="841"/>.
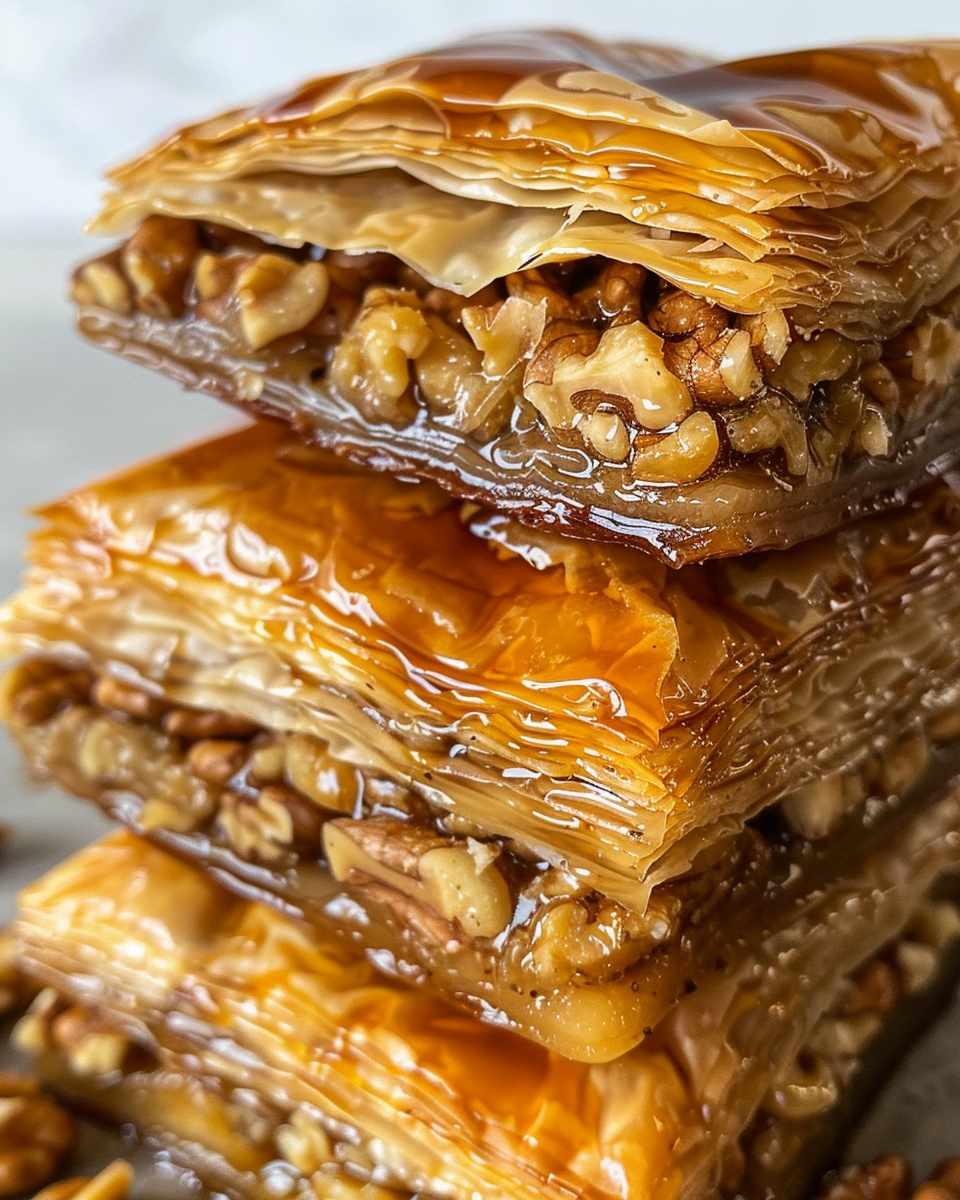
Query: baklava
<point x="551" y="780"/>
<point x="495" y="825"/>
<point x="269" y="1039"/>
<point x="605" y="288"/>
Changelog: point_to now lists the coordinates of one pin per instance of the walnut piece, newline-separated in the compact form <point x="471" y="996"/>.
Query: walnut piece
<point x="309" y="767"/>
<point x="628" y="363"/>
<point x="715" y="361"/>
<point x="890" y="1178"/>
<point x="277" y="296"/>
<point x="217" y="760"/>
<point x="102" y="283"/>
<point x="90" y="1048"/>
<point x="158" y="259"/>
<point x="127" y="698"/>
<point x="371" y="364"/>
<point x="32" y="703"/>
<point x="681" y="456"/>
<point x="443" y="875"/>
<point x="196" y="724"/>
<point x="36" y="1134"/>
<point x="769" y="423"/>
<point x="506" y="333"/>
<point x="269" y="826"/>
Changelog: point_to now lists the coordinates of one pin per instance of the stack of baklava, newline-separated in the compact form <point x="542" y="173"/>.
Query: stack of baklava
<point x="537" y="734"/>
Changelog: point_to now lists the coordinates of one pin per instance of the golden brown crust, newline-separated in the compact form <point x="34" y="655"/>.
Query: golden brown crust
<point x="433" y="1100"/>
<point x="798" y="180"/>
<point x="479" y="923"/>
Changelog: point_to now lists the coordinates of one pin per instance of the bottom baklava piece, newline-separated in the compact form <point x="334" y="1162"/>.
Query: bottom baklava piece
<point x="270" y="1058"/>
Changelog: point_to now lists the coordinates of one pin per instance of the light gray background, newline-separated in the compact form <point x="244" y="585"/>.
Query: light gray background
<point x="84" y="83"/>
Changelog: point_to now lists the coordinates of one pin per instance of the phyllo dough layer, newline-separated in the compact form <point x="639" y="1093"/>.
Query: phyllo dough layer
<point x="699" y="308"/>
<point x="407" y="1092"/>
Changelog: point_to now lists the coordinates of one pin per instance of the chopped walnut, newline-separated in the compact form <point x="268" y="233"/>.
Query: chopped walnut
<point x="614" y="295"/>
<point x="36" y="1134"/>
<point x="442" y="875"/>
<point x="815" y="809"/>
<point x="873" y="434"/>
<point x="506" y="333"/>
<point x="310" y="768"/>
<point x="451" y="377"/>
<point x="102" y="283"/>
<point x="890" y="1178"/>
<point x="158" y="260"/>
<point x="196" y="724"/>
<point x="277" y="296"/>
<point x="36" y="692"/>
<point x="767" y="424"/>
<point x="596" y="939"/>
<point x="533" y="287"/>
<point x="715" y="361"/>
<point x="821" y="358"/>
<point x="214" y="276"/>
<point x="769" y="336"/>
<point x="217" y="760"/>
<point x="607" y="433"/>
<point x="112" y="752"/>
<point x="802" y="1092"/>
<point x="681" y="456"/>
<point x="127" y="698"/>
<point x="627" y="366"/>
<point x="371" y="365"/>
<point x="90" y="1047"/>
<point x="268" y="826"/>
<point x="935" y="354"/>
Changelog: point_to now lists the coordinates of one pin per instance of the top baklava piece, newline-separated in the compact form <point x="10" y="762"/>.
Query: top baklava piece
<point x="606" y="287"/>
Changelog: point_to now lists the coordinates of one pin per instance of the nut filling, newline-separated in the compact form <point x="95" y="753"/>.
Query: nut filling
<point x="606" y="358"/>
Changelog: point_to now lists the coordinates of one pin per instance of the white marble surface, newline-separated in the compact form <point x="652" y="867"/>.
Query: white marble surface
<point x="70" y="412"/>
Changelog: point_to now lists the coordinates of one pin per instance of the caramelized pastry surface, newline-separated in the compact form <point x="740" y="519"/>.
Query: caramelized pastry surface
<point x="438" y="903"/>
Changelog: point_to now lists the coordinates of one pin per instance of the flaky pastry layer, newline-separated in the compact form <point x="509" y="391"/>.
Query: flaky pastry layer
<point x="790" y="180"/>
<point x="519" y="943"/>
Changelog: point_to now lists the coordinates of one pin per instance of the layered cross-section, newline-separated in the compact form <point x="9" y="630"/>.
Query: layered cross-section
<point x="605" y="287"/>
<point x="551" y="780"/>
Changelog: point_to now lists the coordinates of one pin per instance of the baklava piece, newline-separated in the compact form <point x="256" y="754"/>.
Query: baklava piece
<point x="701" y="309"/>
<point x="292" y="1047"/>
<point x="548" y="779"/>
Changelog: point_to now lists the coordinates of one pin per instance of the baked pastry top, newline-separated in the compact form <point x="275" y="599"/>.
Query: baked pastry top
<point x="609" y="288"/>
<point x="820" y="181"/>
